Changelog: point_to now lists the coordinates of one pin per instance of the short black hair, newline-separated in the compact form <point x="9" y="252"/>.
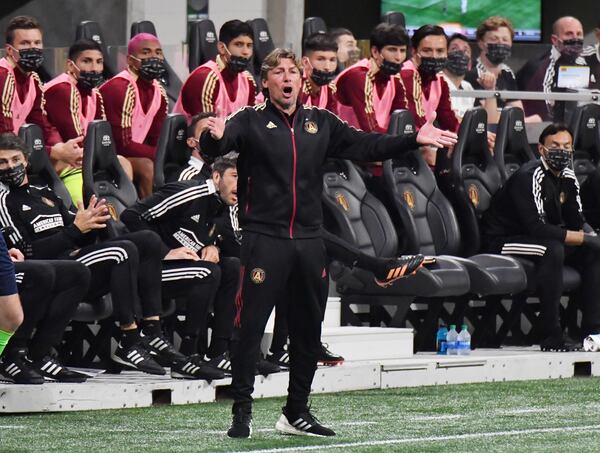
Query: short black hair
<point x="386" y="34"/>
<point x="20" y="23"/>
<point x="456" y="36"/>
<point x="234" y="28"/>
<point x="552" y="129"/>
<point x="11" y="142"/>
<point x="191" y="130"/>
<point x="81" y="45"/>
<point x="427" y="30"/>
<point x="224" y="163"/>
<point x="320" y="41"/>
<point x="335" y="33"/>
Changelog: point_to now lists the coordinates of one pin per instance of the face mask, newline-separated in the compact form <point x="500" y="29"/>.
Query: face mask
<point x="13" y="177"/>
<point x="431" y="66"/>
<point x="30" y="59"/>
<point x="237" y="64"/>
<point x="572" y="47"/>
<point x="322" y="77"/>
<point x="458" y="62"/>
<point x="389" y="68"/>
<point x="557" y="158"/>
<point x="498" y="53"/>
<point x="89" y="79"/>
<point x="152" y="68"/>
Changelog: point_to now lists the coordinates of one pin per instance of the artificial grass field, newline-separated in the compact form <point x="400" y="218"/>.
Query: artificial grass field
<point x="553" y="415"/>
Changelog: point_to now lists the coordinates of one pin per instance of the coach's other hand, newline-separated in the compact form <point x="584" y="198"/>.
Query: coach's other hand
<point x="431" y="135"/>
<point x="216" y="126"/>
<point x="94" y="217"/>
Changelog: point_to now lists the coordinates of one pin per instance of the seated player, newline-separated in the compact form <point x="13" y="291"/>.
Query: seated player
<point x="73" y="101"/>
<point x="11" y="312"/>
<point x="348" y="52"/>
<point x="50" y="292"/>
<point x="319" y="63"/>
<point x="459" y="63"/>
<point x="136" y="105"/>
<point x="225" y="85"/>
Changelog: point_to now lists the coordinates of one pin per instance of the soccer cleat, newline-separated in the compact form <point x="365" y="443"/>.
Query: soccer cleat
<point x="560" y="343"/>
<point x="301" y="424"/>
<point x="16" y="367"/>
<point x="326" y="357"/>
<point x="280" y="358"/>
<point x="193" y="367"/>
<point x="398" y="268"/>
<point x="241" y="425"/>
<point x="162" y="348"/>
<point x="51" y="369"/>
<point x="265" y="367"/>
<point x="220" y="362"/>
<point x="138" y="358"/>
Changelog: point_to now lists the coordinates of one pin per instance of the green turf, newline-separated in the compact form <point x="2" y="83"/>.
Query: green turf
<point x="557" y="415"/>
<point x="524" y="14"/>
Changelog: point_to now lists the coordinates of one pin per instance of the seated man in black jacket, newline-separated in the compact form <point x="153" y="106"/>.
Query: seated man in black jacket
<point x="538" y="215"/>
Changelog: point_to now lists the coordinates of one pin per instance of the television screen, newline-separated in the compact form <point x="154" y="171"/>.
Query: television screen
<point x="463" y="16"/>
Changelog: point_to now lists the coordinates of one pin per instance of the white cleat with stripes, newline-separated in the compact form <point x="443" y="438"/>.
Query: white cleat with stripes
<point x="302" y="424"/>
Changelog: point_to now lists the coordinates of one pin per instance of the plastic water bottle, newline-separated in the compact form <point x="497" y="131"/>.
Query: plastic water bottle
<point x="452" y="341"/>
<point x="464" y="341"/>
<point x="440" y="339"/>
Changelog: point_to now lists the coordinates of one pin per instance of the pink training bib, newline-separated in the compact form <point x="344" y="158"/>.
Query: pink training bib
<point x="430" y="105"/>
<point x="20" y="110"/>
<point x="323" y="97"/>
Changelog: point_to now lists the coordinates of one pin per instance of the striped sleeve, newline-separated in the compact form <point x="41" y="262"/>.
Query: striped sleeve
<point x="180" y="197"/>
<point x="128" y="105"/>
<point x="209" y="93"/>
<point x="11" y="232"/>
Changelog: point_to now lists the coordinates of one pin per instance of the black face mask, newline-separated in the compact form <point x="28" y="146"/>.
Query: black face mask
<point x="389" y="68"/>
<point x="238" y="64"/>
<point x="30" y="59"/>
<point x="498" y="53"/>
<point x="13" y="177"/>
<point x="558" y="159"/>
<point x="152" y="68"/>
<point x="431" y="66"/>
<point x="90" y="79"/>
<point x="572" y="48"/>
<point x="458" y="63"/>
<point x="322" y="77"/>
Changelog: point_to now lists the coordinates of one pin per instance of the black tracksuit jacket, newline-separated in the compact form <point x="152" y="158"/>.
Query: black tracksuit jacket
<point x="280" y="163"/>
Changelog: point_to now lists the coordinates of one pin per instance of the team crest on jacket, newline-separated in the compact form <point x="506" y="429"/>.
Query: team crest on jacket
<point x="311" y="127"/>
<point x="258" y="275"/>
<point x="562" y="198"/>
<point x="48" y="201"/>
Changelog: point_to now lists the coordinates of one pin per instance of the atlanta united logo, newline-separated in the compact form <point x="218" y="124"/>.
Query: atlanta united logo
<point x="112" y="211"/>
<point x="257" y="275"/>
<point x="409" y="198"/>
<point x="311" y="127"/>
<point x="341" y="199"/>
<point x="473" y="194"/>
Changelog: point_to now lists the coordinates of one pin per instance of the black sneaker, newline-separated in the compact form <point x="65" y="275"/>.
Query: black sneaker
<point x="162" y="348"/>
<point x="220" y="362"/>
<point x="280" y="358"/>
<point x="560" y="343"/>
<point x="398" y="268"/>
<point x="241" y="425"/>
<point x="193" y="367"/>
<point x="326" y="357"/>
<point x="301" y="424"/>
<point x="51" y="369"/>
<point x="16" y="367"/>
<point x="138" y="358"/>
<point x="265" y="367"/>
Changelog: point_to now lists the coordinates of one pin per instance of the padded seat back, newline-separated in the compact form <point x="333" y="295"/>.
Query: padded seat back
<point x="394" y="18"/>
<point x="202" y="43"/>
<point x="40" y="171"/>
<point x="312" y="25"/>
<point x="429" y="225"/>
<point x="89" y="29"/>
<point x="263" y="43"/>
<point x="358" y="217"/>
<point x="172" y="152"/>
<point x="586" y="140"/>
<point x="512" y="146"/>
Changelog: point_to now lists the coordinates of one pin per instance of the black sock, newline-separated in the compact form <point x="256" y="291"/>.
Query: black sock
<point x="217" y="347"/>
<point x="151" y="328"/>
<point x="189" y="345"/>
<point x="129" y="338"/>
<point x="38" y="350"/>
<point x="14" y="345"/>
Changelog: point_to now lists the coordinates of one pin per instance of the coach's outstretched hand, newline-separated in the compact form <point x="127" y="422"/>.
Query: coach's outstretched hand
<point x="216" y="126"/>
<point x="431" y="135"/>
<point x="94" y="217"/>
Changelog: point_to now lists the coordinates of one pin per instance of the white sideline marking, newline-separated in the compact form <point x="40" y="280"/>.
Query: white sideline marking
<point x="410" y="440"/>
<point x="12" y="426"/>
<point x="435" y="417"/>
<point x="357" y="423"/>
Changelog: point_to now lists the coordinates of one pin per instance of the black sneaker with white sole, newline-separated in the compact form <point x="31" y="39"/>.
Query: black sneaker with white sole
<point x="220" y="362"/>
<point x="16" y="367"/>
<point x="301" y="424"/>
<point x="51" y="369"/>
<point x="193" y="367"/>
<point x="326" y="357"/>
<point x="241" y="425"/>
<point x="138" y="358"/>
<point x="280" y="358"/>
<point x="162" y="348"/>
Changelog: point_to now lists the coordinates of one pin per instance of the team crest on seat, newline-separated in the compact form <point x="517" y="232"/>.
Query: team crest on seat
<point x="473" y="193"/>
<point x="341" y="199"/>
<point x="409" y="198"/>
<point x="112" y="211"/>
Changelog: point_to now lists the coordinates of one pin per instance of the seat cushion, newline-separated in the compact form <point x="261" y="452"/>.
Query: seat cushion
<point x="90" y="311"/>
<point x="571" y="278"/>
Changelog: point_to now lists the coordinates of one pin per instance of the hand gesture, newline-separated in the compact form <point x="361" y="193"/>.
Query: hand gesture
<point x="182" y="253"/>
<point x="15" y="255"/>
<point x="487" y="80"/>
<point x="431" y="135"/>
<point x="94" y="217"/>
<point x="69" y="152"/>
<point x="210" y="253"/>
<point x="216" y="127"/>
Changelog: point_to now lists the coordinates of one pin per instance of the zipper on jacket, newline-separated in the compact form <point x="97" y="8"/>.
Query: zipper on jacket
<point x="247" y="207"/>
<point x="293" y="216"/>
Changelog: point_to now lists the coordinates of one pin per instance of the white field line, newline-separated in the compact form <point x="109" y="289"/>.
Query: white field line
<point x="411" y="440"/>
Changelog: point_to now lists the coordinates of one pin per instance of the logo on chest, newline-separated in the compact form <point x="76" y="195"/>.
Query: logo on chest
<point x="47" y="222"/>
<point x="311" y="127"/>
<point x="188" y="239"/>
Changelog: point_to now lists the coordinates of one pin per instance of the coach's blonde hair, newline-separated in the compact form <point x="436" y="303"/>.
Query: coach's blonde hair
<point x="274" y="58"/>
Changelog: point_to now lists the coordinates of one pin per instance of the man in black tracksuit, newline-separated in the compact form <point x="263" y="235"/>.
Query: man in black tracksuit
<point x="282" y="148"/>
<point x="538" y="215"/>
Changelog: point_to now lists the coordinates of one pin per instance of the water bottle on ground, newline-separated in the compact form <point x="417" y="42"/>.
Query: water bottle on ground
<point x="440" y="339"/>
<point x="464" y="341"/>
<point x="452" y="341"/>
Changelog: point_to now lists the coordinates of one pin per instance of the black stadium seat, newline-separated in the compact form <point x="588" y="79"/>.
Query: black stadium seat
<point x="586" y="140"/>
<point x="263" y="43"/>
<point x="512" y="148"/>
<point x="171" y="81"/>
<point x="395" y="18"/>
<point x="89" y="29"/>
<point x="172" y="152"/>
<point x="202" y="43"/>
<point x="311" y="26"/>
